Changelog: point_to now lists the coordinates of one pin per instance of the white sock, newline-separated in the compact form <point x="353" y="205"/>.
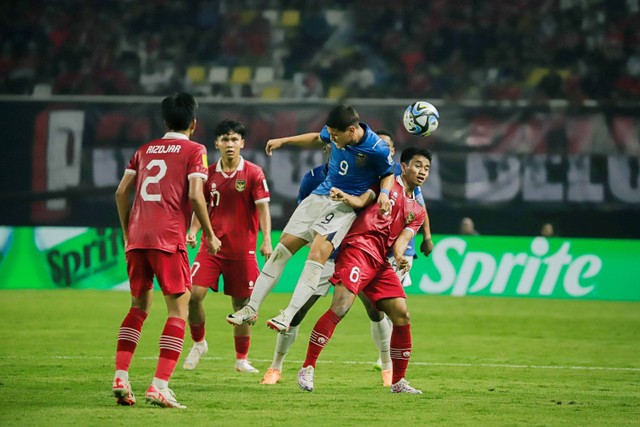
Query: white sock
<point x="122" y="374"/>
<point x="283" y="343"/>
<point x="159" y="384"/>
<point x="306" y="287"/>
<point x="269" y="276"/>
<point x="381" y="335"/>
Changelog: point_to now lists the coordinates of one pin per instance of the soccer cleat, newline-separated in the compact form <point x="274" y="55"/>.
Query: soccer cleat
<point x="243" y="365"/>
<point x="305" y="378"/>
<point x="272" y="376"/>
<point x="245" y="315"/>
<point x="122" y="392"/>
<point x="280" y="323"/>
<point x="403" y="386"/>
<point x="378" y="365"/>
<point x="164" y="398"/>
<point x="386" y="377"/>
<point x="198" y="350"/>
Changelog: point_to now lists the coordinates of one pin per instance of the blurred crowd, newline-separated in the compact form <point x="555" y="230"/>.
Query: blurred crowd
<point x="465" y="49"/>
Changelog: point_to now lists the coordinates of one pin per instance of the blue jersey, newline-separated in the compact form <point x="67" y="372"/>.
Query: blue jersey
<point x="411" y="247"/>
<point x="356" y="168"/>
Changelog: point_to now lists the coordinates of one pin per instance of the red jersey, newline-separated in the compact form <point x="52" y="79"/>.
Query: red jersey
<point x="161" y="211"/>
<point x="375" y="233"/>
<point x="232" y="200"/>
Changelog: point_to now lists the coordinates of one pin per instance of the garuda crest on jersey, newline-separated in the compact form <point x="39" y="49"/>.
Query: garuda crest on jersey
<point x="409" y="219"/>
<point x="361" y="160"/>
<point x="241" y="185"/>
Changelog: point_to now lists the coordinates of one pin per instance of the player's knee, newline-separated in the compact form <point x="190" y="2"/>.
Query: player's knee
<point x="195" y="299"/>
<point x="403" y="318"/>
<point x="280" y="253"/>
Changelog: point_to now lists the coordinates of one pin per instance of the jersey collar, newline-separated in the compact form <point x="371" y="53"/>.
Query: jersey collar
<point x="175" y="135"/>
<point x="401" y="182"/>
<point x="239" y="168"/>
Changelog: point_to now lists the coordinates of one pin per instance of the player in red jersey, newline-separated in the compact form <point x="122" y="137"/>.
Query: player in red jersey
<point x="168" y="175"/>
<point x="238" y="199"/>
<point x="362" y="265"/>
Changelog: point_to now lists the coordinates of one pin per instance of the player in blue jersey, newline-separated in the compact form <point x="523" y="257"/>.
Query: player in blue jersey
<point x="380" y="323"/>
<point x="359" y="160"/>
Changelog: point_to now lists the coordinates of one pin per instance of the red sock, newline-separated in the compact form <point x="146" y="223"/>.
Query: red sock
<point x="128" y="337"/>
<point x="242" y="346"/>
<point x="197" y="331"/>
<point x="320" y="336"/>
<point x="170" y="347"/>
<point x="400" y="351"/>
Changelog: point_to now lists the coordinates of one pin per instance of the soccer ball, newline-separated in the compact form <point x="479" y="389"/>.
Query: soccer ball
<point x="421" y="118"/>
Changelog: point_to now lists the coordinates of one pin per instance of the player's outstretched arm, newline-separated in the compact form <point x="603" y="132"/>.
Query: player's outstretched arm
<point x="303" y="140"/>
<point x="264" y="219"/>
<point x="356" y="202"/>
<point x="123" y="199"/>
<point x="199" y="205"/>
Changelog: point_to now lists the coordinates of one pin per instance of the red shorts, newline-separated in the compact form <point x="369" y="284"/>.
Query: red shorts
<point x="357" y="271"/>
<point x="239" y="274"/>
<point x="171" y="270"/>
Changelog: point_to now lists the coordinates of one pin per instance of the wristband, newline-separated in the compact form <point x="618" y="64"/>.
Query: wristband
<point x="385" y="191"/>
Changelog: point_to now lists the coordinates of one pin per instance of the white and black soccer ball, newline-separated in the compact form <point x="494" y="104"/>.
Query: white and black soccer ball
<point x="421" y="118"/>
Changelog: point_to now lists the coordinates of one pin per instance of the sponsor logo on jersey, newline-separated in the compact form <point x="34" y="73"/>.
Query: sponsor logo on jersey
<point x="361" y="160"/>
<point x="241" y="185"/>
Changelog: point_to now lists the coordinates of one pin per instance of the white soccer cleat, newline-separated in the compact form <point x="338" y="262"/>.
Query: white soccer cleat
<point x="403" y="386"/>
<point x="280" y="323"/>
<point x="245" y="315"/>
<point x="305" y="378"/>
<point x="122" y="392"/>
<point x="198" y="350"/>
<point x="164" y="398"/>
<point x="243" y="365"/>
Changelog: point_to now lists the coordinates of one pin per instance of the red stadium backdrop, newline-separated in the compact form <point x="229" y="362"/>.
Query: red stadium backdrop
<point x="577" y="167"/>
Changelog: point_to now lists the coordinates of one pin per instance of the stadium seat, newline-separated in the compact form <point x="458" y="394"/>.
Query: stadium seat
<point x="241" y="75"/>
<point x="271" y="92"/>
<point x="264" y="75"/>
<point x="290" y="18"/>
<point x="336" y="92"/>
<point x="196" y="74"/>
<point x="271" y="16"/>
<point x="218" y="74"/>
<point x="334" y="17"/>
<point x="42" y="89"/>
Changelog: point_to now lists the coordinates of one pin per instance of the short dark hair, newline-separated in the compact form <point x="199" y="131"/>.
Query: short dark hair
<point x="410" y="152"/>
<point x="229" y="126"/>
<point x="384" y="132"/>
<point x="342" y="116"/>
<point x="179" y="111"/>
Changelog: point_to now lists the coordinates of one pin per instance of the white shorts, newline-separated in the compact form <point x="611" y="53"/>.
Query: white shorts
<point x="321" y="215"/>
<point x="324" y="285"/>
<point x="405" y="278"/>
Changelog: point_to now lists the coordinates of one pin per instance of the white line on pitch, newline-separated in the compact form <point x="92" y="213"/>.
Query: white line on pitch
<point x="354" y="362"/>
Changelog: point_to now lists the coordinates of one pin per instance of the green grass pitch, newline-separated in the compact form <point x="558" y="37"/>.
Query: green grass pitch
<point x="479" y="360"/>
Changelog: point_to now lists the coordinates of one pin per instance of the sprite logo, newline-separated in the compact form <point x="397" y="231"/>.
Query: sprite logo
<point x="539" y="270"/>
